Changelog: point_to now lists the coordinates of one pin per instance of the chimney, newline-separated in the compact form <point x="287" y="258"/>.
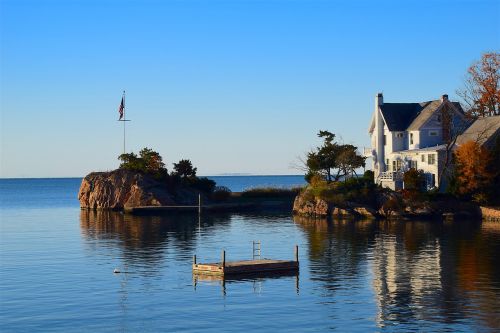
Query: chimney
<point x="379" y="99"/>
<point x="444" y="98"/>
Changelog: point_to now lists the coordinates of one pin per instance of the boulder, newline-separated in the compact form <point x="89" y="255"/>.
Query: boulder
<point x="365" y="211"/>
<point x="310" y="207"/>
<point x="120" y="189"/>
<point x="341" y="212"/>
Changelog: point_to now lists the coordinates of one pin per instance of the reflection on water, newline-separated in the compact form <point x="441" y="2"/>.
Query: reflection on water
<point x="414" y="275"/>
<point x="256" y="279"/>
<point x="420" y="271"/>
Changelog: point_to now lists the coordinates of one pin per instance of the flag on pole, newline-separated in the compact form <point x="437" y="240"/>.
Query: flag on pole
<point x="121" y="108"/>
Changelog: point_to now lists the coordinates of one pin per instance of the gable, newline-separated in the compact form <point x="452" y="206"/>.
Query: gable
<point x="423" y="116"/>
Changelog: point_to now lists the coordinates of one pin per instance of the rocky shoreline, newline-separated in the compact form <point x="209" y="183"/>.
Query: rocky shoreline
<point x="389" y="205"/>
<point x="137" y="193"/>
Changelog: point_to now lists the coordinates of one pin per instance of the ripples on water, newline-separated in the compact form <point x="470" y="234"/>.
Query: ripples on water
<point x="57" y="263"/>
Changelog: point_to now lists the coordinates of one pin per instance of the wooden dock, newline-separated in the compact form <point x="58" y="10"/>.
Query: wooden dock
<point x="224" y="268"/>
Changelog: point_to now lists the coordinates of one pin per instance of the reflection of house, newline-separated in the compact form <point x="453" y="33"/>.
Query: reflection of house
<point x="405" y="280"/>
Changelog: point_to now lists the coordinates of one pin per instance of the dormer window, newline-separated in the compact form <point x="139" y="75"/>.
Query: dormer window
<point x="399" y="135"/>
<point x="411" y="138"/>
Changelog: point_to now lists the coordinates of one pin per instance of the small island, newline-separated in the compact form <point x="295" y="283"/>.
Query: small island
<point x="143" y="185"/>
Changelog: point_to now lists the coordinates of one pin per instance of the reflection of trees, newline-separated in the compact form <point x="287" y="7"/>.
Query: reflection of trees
<point x="144" y="239"/>
<point x="421" y="270"/>
<point x="336" y="248"/>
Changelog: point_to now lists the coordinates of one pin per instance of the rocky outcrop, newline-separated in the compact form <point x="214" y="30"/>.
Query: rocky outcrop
<point x="317" y="208"/>
<point x="121" y="189"/>
<point x="312" y="207"/>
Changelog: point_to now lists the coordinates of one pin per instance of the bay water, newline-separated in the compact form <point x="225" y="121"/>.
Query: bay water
<point x="57" y="262"/>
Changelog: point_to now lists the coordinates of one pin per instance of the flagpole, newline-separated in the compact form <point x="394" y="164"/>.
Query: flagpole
<point x="124" y="120"/>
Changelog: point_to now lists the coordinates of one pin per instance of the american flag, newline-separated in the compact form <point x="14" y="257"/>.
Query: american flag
<point x="121" y="108"/>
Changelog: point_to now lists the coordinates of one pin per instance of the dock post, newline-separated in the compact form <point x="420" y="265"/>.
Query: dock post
<point x="223" y="259"/>
<point x="199" y="203"/>
<point x="194" y="259"/>
<point x="296" y="253"/>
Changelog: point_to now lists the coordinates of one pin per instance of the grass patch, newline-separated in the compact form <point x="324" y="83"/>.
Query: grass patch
<point x="271" y="192"/>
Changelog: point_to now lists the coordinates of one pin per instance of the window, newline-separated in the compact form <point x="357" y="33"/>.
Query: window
<point x="411" y="138"/>
<point x="433" y="133"/>
<point x="385" y="142"/>
<point x="423" y="158"/>
<point x="393" y="166"/>
<point x="413" y="164"/>
<point x="439" y="118"/>
<point x="431" y="159"/>
<point x="399" y="135"/>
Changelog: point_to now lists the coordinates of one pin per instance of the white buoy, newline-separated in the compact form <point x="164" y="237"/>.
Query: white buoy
<point x="116" y="271"/>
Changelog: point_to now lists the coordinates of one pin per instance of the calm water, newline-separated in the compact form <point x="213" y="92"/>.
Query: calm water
<point x="56" y="272"/>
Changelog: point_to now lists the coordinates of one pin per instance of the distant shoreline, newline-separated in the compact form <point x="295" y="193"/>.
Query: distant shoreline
<point x="208" y="176"/>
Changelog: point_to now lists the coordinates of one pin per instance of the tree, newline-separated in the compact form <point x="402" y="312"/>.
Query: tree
<point x="348" y="160"/>
<point x="414" y="180"/>
<point x="184" y="168"/>
<point x="152" y="160"/>
<point x="472" y="169"/>
<point x="332" y="160"/>
<point x="131" y="162"/>
<point x="481" y="94"/>
<point x="148" y="161"/>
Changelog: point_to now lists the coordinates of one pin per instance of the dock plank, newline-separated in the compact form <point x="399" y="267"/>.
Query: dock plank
<point x="246" y="266"/>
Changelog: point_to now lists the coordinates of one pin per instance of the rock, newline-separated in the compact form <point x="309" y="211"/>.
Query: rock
<point x="308" y="207"/>
<point x="366" y="212"/>
<point x="342" y="212"/>
<point x="121" y="189"/>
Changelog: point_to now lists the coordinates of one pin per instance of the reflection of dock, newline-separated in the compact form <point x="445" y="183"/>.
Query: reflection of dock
<point x="256" y="279"/>
<point x="246" y="266"/>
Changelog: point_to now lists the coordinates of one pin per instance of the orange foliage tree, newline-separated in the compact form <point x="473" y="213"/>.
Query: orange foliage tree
<point x="481" y="94"/>
<point x="473" y="173"/>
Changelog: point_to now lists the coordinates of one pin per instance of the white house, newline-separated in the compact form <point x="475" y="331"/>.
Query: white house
<point x="412" y="135"/>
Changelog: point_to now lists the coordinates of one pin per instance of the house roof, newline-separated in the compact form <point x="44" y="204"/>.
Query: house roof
<point x="483" y="130"/>
<point x="424" y="114"/>
<point x="398" y="116"/>
<point x="410" y="116"/>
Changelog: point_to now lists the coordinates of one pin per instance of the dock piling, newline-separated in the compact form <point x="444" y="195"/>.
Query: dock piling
<point x="199" y="203"/>
<point x="223" y="259"/>
<point x="296" y="253"/>
<point x="194" y="259"/>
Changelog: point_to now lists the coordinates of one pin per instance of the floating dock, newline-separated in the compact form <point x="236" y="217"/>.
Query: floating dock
<point x="224" y="268"/>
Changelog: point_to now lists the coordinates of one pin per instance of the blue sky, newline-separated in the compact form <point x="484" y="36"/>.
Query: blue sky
<point x="235" y="86"/>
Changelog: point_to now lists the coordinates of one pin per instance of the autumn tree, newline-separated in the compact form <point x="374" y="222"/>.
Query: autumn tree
<point x="481" y="92"/>
<point x="472" y="170"/>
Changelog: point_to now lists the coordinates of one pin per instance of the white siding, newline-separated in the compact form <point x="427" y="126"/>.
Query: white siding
<point x="416" y="140"/>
